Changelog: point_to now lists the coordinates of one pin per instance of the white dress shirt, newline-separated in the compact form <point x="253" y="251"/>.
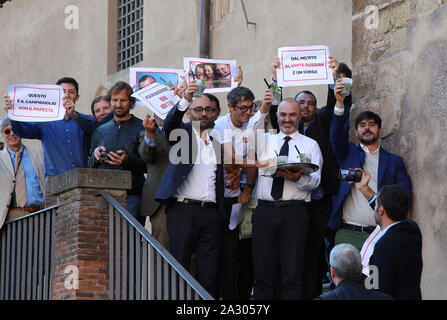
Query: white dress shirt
<point x="201" y="182"/>
<point x="302" y="189"/>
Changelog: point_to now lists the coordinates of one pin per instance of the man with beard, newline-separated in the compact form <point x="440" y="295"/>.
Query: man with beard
<point x="398" y="249"/>
<point x="119" y="138"/>
<point x="352" y="217"/>
<point x="192" y="188"/>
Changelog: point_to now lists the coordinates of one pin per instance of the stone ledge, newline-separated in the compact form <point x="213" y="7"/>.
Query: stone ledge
<point x="91" y="178"/>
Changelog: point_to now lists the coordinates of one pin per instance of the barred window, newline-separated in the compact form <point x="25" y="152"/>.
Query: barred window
<point x="130" y="33"/>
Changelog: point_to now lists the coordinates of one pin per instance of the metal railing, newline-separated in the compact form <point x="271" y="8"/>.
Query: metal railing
<point x="140" y="267"/>
<point x="27" y="256"/>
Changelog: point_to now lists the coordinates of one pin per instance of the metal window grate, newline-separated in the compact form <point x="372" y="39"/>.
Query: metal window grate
<point x="130" y="33"/>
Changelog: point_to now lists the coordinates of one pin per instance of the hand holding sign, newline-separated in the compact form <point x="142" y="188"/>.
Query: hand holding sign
<point x="240" y="77"/>
<point x="7" y="101"/>
<point x="276" y="64"/>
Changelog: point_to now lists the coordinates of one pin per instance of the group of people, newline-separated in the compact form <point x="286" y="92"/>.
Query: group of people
<point x="207" y="177"/>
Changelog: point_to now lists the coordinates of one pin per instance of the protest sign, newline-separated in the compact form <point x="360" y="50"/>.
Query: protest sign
<point x="158" y="98"/>
<point x="211" y="75"/>
<point x="302" y="66"/>
<point x="142" y="77"/>
<point x="36" y="103"/>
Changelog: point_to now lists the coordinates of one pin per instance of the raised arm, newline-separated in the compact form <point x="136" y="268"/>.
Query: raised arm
<point x="147" y="148"/>
<point x="339" y="140"/>
<point x="175" y="116"/>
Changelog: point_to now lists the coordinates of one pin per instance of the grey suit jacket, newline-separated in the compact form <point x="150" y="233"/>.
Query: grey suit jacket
<point x="157" y="160"/>
<point x="7" y="177"/>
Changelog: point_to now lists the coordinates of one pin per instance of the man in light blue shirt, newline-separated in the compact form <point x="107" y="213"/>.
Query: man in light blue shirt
<point x="63" y="141"/>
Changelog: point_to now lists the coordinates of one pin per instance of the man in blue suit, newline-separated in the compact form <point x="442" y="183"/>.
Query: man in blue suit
<point x="398" y="252"/>
<point x="192" y="188"/>
<point x="352" y="217"/>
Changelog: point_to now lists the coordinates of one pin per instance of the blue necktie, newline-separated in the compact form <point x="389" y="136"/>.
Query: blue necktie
<point x="278" y="182"/>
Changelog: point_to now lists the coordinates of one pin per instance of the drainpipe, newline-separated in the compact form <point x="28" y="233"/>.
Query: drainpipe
<point x="204" y="29"/>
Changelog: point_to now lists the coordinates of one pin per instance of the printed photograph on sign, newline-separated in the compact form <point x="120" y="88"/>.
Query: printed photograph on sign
<point x="304" y="66"/>
<point x="36" y="103"/>
<point x="211" y="75"/>
<point x="140" y="78"/>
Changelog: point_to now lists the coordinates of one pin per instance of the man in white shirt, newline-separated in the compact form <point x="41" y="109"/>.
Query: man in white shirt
<point x="192" y="188"/>
<point x="231" y="130"/>
<point x="280" y="221"/>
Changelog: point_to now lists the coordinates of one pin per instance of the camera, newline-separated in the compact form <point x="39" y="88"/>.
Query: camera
<point x="350" y="175"/>
<point x="103" y="156"/>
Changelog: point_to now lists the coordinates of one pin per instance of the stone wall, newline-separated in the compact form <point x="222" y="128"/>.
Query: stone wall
<point x="400" y="71"/>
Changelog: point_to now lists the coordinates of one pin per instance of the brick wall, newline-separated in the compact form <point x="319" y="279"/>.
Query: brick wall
<point x="82" y="237"/>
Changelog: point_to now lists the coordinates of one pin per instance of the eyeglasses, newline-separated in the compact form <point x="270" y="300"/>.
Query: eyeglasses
<point x="208" y="110"/>
<point x="245" y="108"/>
<point x="7" y="131"/>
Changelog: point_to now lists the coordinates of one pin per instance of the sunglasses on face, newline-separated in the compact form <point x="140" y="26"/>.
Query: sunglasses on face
<point x="7" y="131"/>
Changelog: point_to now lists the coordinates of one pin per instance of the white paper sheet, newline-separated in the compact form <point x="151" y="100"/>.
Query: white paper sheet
<point x="36" y="103"/>
<point x="301" y="66"/>
<point x="158" y="98"/>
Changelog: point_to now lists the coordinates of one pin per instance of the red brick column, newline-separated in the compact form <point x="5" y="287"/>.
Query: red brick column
<point x="82" y="231"/>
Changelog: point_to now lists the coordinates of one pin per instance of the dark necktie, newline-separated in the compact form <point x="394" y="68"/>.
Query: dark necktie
<point x="278" y="182"/>
<point x="20" y="188"/>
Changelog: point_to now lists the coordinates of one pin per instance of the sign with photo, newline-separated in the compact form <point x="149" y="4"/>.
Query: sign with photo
<point x="211" y="75"/>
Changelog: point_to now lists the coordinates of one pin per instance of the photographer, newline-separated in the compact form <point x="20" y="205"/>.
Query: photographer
<point x="352" y="219"/>
<point x="119" y="139"/>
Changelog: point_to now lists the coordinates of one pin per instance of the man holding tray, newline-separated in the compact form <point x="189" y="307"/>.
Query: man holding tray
<point x="280" y="221"/>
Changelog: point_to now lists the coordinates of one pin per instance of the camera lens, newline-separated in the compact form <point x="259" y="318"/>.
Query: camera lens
<point x="103" y="156"/>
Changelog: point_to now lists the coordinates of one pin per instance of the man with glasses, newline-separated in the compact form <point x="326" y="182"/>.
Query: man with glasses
<point x="192" y="188"/>
<point x="21" y="175"/>
<point x="231" y="130"/>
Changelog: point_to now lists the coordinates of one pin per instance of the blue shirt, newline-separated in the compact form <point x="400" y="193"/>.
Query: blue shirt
<point x="34" y="194"/>
<point x="63" y="143"/>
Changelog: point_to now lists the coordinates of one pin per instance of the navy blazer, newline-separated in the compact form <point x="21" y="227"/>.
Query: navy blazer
<point x="176" y="174"/>
<point x="398" y="257"/>
<point x="353" y="289"/>
<point x="391" y="168"/>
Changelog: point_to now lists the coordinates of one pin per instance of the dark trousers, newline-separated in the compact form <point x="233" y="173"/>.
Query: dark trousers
<point x="279" y="240"/>
<point x="315" y="248"/>
<point x="196" y="230"/>
<point x="246" y="279"/>
<point x="229" y="260"/>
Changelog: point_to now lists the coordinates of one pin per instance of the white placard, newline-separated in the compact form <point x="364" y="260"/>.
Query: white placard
<point x="36" y="103"/>
<point x="301" y="66"/>
<point x="158" y="98"/>
<point x="142" y="77"/>
<point x="214" y="75"/>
